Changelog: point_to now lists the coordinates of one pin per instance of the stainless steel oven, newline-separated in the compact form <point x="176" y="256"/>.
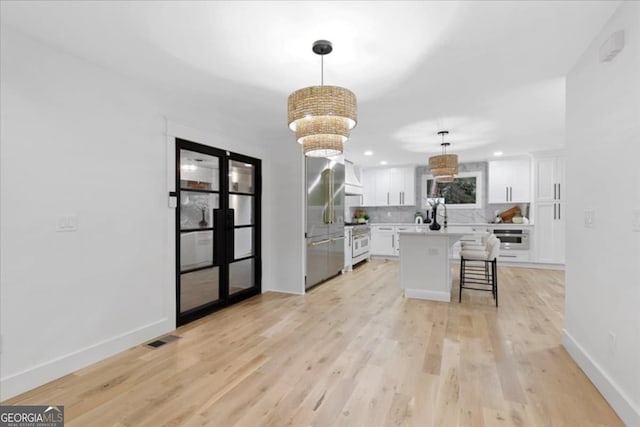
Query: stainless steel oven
<point x="512" y="238"/>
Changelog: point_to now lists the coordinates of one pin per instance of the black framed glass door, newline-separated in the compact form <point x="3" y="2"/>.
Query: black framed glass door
<point x="217" y="229"/>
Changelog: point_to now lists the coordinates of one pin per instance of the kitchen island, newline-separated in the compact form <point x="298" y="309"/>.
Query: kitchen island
<point x="425" y="268"/>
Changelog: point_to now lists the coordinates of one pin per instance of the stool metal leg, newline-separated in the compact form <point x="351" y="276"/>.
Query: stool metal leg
<point x="461" y="278"/>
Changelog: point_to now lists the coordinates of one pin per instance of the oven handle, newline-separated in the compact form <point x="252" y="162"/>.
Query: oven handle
<point x="522" y="236"/>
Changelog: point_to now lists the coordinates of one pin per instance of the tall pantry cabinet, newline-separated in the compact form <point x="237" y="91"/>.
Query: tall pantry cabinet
<point x="550" y="209"/>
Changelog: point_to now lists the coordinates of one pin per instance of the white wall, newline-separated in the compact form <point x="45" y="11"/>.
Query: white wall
<point x="603" y="164"/>
<point x="79" y="139"/>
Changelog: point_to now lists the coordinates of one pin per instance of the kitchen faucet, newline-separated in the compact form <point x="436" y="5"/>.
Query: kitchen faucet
<point x="445" y="213"/>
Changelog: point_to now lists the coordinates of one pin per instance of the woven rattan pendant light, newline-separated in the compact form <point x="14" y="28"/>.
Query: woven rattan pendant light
<point x="445" y="166"/>
<point x="322" y="116"/>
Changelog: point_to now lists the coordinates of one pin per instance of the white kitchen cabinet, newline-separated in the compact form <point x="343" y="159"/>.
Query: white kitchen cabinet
<point x="368" y="187"/>
<point x="549" y="210"/>
<point x="389" y="187"/>
<point x="549" y="172"/>
<point x="383" y="240"/>
<point x="510" y="181"/>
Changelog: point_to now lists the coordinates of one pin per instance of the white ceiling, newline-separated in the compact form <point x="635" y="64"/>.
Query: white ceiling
<point x="491" y="73"/>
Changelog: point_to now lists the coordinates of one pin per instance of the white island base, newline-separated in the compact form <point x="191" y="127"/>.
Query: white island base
<point x="425" y="268"/>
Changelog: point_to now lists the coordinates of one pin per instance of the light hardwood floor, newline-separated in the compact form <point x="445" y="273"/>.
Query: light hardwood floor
<point x="352" y="352"/>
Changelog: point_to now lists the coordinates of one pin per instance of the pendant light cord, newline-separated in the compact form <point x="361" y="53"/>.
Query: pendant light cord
<point x="321" y="70"/>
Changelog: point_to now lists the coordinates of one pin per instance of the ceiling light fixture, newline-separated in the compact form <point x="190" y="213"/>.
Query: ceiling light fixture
<point x="368" y="153"/>
<point x="384" y="162"/>
<point x="497" y="153"/>
<point x="445" y="166"/>
<point x="322" y="116"/>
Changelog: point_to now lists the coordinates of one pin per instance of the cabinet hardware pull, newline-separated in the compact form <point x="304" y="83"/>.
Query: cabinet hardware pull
<point x="554" y="211"/>
<point x="508" y="256"/>
<point x="511" y="194"/>
<point x="555" y="186"/>
<point x="393" y="241"/>
<point x="559" y="191"/>
<point x="559" y="210"/>
<point x="387" y="198"/>
<point x="321" y="242"/>
<point x="385" y="228"/>
<point x="506" y="197"/>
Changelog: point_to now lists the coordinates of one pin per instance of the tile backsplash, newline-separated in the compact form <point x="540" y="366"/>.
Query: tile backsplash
<point x="406" y="214"/>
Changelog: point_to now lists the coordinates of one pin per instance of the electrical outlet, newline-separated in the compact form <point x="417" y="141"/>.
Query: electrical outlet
<point x="612" y="342"/>
<point x="589" y="219"/>
<point x="635" y="220"/>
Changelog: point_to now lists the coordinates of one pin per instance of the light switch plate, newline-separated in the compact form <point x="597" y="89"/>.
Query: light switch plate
<point x="589" y="219"/>
<point x="67" y="222"/>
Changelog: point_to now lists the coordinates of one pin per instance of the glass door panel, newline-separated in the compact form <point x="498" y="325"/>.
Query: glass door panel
<point x="196" y="209"/>
<point x="196" y="250"/>
<point x="199" y="287"/>
<point x="241" y="177"/>
<point x="242" y="209"/>
<point x="243" y="242"/>
<point x="199" y="171"/>
<point x="241" y="275"/>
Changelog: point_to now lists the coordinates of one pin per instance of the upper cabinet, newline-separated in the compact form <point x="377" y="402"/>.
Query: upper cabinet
<point x="549" y="179"/>
<point x="510" y="181"/>
<point x="389" y="187"/>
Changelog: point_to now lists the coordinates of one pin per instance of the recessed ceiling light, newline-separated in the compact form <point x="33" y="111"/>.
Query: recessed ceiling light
<point x="384" y="162"/>
<point x="368" y="153"/>
<point x="498" y="153"/>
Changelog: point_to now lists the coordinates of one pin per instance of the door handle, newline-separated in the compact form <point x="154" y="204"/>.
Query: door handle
<point x="230" y="234"/>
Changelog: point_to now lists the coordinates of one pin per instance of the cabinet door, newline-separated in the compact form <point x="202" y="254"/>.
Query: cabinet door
<point x="546" y="190"/>
<point x="383" y="241"/>
<point x="382" y="191"/>
<point x="510" y="181"/>
<point x="368" y="188"/>
<point x="498" y="182"/>
<point x="549" y="241"/>
<point x="559" y="174"/>
<point x="409" y="191"/>
<point x="519" y="181"/>
<point x="396" y="186"/>
<point x="397" y="238"/>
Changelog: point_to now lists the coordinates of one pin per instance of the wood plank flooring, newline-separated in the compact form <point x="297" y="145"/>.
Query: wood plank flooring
<point x="352" y="352"/>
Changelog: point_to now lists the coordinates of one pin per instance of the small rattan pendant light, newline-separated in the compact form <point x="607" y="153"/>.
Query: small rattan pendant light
<point x="322" y="116"/>
<point x="445" y="166"/>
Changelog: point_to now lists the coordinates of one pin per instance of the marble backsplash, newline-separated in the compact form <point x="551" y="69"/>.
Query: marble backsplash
<point x="406" y="214"/>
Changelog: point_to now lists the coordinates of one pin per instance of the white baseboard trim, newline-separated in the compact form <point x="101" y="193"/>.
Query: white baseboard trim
<point x="626" y="409"/>
<point x="28" y="379"/>
<point x="428" y="295"/>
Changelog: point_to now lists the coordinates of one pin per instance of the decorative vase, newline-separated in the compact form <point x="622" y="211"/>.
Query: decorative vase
<point x="203" y="222"/>
<point x="427" y="219"/>
<point x="434" y="225"/>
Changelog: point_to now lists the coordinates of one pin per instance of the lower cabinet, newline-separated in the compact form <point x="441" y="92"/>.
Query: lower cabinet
<point x="550" y="232"/>
<point x="383" y="240"/>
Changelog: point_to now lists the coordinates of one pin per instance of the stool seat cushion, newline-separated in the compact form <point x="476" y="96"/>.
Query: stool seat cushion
<point x="475" y="254"/>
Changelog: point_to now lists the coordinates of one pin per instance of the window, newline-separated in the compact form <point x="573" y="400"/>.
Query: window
<point x="464" y="192"/>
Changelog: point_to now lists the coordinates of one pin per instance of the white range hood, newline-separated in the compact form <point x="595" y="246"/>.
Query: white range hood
<point x="352" y="185"/>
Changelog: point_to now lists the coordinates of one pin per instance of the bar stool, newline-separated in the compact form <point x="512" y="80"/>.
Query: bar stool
<point x="479" y="266"/>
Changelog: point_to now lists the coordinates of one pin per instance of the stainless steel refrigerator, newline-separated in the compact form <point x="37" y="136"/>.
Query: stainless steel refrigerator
<point x="325" y="219"/>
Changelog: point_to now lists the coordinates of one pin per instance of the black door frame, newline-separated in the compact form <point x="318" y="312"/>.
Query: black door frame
<point x="221" y="221"/>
